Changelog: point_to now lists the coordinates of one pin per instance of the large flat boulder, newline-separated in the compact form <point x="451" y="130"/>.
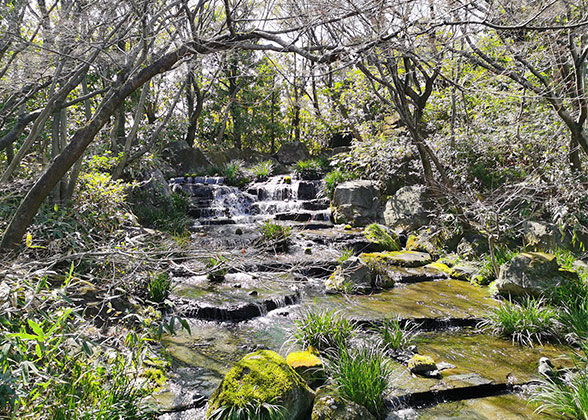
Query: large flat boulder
<point x="292" y="152"/>
<point x="263" y="377"/>
<point x="532" y="274"/>
<point x="356" y="202"/>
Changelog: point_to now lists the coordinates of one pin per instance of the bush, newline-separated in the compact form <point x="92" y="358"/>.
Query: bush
<point x="235" y="174"/>
<point x="394" y="335"/>
<point x="526" y="322"/>
<point x="361" y="375"/>
<point x="165" y="213"/>
<point x="325" y="330"/>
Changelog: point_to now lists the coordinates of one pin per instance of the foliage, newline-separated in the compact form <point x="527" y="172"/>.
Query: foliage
<point x="249" y="411"/>
<point x="312" y="168"/>
<point x="345" y="255"/>
<point x="217" y="268"/>
<point x="567" y="395"/>
<point x="526" y="322"/>
<point x="324" y="330"/>
<point x="336" y="177"/>
<point x="51" y="371"/>
<point x="396" y="335"/>
<point x="235" y="173"/>
<point x="159" y="287"/>
<point x="261" y="170"/>
<point x="275" y="235"/>
<point x="361" y="375"/>
<point x="166" y="213"/>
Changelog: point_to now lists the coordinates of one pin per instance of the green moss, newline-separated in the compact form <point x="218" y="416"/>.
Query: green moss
<point x="420" y="363"/>
<point x="378" y="235"/>
<point x="441" y="267"/>
<point x="260" y="377"/>
<point x="400" y="258"/>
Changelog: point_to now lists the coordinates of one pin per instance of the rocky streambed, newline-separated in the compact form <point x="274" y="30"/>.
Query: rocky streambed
<point x="264" y="292"/>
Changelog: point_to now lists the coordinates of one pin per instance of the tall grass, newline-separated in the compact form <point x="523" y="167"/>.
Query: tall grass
<point x="394" y="335"/>
<point x="159" y="287"/>
<point x="361" y="375"/>
<point x="526" y="322"/>
<point x="325" y="330"/>
<point x="250" y="411"/>
<point x="566" y="396"/>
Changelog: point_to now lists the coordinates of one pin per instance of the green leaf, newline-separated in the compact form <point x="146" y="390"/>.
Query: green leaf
<point x="36" y="328"/>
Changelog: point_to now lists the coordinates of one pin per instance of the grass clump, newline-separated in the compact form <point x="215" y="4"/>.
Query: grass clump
<point x="566" y="396"/>
<point x="324" y="330"/>
<point x="334" y="178"/>
<point x="526" y="322"/>
<point x="275" y="236"/>
<point x="159" y="287"/>
<point x="312" y="168"/>
<point x="249" y="411"/>
<point x="262" y="170"/>
<point x="361" y="375"/>
<point x="396" y="335"/>
<point x="345" y="255"/>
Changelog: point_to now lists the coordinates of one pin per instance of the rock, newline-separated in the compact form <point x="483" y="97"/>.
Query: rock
<point x="308" y="365"/>
<point x="428" y="240"/>
<point x="292" y="152"/>
<point x="540" y="236"/>
<point x="407" y="209"/>
<point x="263" y="377"/>
<point x="185" y="159"/>
<point x="356" y="202"/>
<point x="330" y="405"/>
<point x="467" y="271"/>
<point x="400" y="258"/>
<point x="581" y="266"/>
<point x="352" y="275"/>
<point x="306" y="190"/>
<point x="472" y="246"/>
<point x="157" y="184"/>
<point x="531" y="273"/>
<point x="381" y="239"/>
<point x="422" y="365"/>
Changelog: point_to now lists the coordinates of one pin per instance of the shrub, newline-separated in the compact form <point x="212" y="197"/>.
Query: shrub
<point x="361" y="375"/>
<point x="526" y="322"/>
<point x="312" y="168"/>
<point x="165" y="213"/>
<point x="325" y="330"/>
<point x="159" y="287"/>
<point x="235" y="174"/>
<point x="394" y="335"/>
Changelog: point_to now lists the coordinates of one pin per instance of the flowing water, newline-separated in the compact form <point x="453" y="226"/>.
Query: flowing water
<point x="257" y="304"/>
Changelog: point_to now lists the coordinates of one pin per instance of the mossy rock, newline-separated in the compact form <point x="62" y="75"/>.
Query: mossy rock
<point x="428" y="240"/>
<point x="263" y="377"/>
<point x="420" y="365"/>
<point x="308" y="365"/>
<point x="381" y="239"/>
<point x="400" y="258"/>
<point x="330" y="405"/>
<point x="351" y="276"/>
<point x="444" y="268"/>
<point x="467" y="271"/>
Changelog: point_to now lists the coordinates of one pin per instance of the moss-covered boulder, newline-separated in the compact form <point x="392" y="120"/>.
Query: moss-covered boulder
<point x="263" y="377"/>
<point x="421" y="365"/>
<point x="308" y="365"/>
<point x="330" y="405"/>
<point x="399" y="258"/>
<point x="428" y="240"/>
<point x="381" y="239"/>
<point x="531" y="273"/>
<point x="351" y="276"/>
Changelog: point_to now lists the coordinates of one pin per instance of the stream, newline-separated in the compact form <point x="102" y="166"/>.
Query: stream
<point x="263" y="293"/>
